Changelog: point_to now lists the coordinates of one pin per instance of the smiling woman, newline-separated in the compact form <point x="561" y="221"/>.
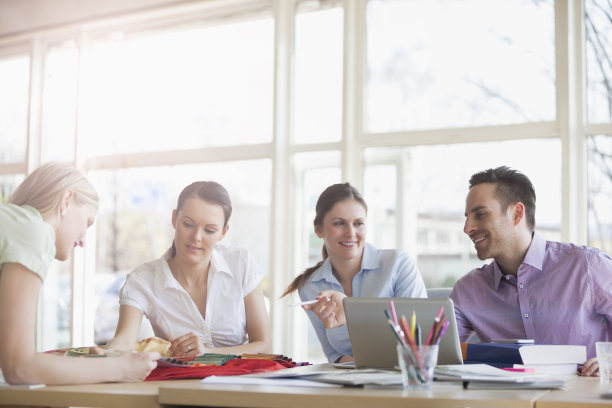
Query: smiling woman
<point x="350" y="267"/>
<point x="201" y="296"/>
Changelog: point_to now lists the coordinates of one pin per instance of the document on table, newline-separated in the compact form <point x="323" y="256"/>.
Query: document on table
<point x="486" y="376"/>
<point x="244" y="380"/>
<point x="360" y="377"/>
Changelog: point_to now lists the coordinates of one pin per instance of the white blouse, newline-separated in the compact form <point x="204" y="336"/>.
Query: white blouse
<point x="152" y="289"/>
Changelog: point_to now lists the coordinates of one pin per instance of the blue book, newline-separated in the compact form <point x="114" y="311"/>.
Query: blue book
<point x="494" y="353"/>
<point x="507" y="354"/>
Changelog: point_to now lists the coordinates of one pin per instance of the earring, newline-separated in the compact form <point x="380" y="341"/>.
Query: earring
<point x="63" y="213"/>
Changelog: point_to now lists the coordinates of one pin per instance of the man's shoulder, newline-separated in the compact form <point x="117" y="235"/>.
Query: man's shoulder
<point x="573" y="250"/>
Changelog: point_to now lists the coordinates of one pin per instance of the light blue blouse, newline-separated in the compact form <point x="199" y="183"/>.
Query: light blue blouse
<point x="384" y="273"/>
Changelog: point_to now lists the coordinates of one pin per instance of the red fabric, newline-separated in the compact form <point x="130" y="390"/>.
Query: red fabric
<point x="233" y="367"/>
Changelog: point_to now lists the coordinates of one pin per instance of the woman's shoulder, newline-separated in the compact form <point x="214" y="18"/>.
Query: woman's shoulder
<point x="12" y="214"/>
<point x="26" y="223"/>
<point x="228" y="252"/>
<point x="390" y="254"/>
<point x="147" y="270"/>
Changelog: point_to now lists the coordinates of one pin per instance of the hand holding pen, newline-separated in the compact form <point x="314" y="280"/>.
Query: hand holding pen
<point x="328" y="308"/>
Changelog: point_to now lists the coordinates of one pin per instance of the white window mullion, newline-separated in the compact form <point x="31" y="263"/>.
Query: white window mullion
<point x="280" y="246"/>
<point x="352" y="99"/>
<point x="569" y="35"/>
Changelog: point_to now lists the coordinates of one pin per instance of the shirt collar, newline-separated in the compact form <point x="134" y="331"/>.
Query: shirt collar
<point x="535" y="253"/>
<point x="163" y="275"/>
<point x="370" y="260"/>
<point x="534" y="257"/>
<point x="218" y="263"/>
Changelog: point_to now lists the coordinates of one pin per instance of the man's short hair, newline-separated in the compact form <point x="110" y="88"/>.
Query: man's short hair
<point x="511" y="186"/>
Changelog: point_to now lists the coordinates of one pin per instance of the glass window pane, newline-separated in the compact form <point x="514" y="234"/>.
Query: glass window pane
<point x="315" y="171"/>
<point x="14" y="86"/>
<point x="189" y="89"/>
<point x="318" y="76"/>
<point x="600" y="191"/>
<point x="598" y="25"/>
<point x="56" y="309"/>
<point x="59" y="102"/>
<point x="8" y="184"/>
<point x="431" y="202"/>
<point x="440" y="63"/>
<point x="134" y="224"/>
<point x="382" y="203"/>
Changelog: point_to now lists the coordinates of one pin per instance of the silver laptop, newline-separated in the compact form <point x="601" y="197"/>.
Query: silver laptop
<point x="373" y="341"/>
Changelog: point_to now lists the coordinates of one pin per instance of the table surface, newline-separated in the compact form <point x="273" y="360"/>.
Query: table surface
<point x="580" y="392"/>
<point x="111" y="395"/>
<point x="255" y="396"/>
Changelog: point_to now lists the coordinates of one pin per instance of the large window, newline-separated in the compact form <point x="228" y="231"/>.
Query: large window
<point x="439" y="64"/>
<point x="598" y="27"/>
<point x="178" y="90"/>
<point x="278" y="99"/>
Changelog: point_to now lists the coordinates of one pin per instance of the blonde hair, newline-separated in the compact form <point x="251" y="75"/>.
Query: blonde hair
<point x="45" y="186"/>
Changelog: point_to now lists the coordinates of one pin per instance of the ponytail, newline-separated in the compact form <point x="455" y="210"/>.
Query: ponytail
<point x="299" y="281"/>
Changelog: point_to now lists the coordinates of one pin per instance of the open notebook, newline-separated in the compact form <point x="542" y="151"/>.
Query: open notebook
<point x="373" y="342"/>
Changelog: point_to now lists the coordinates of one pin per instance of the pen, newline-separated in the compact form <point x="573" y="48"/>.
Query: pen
<point x="392" y="305"/>
<point x="417" y="335"/>
<point x="306" y="302"/>
<point x="442" y="331"/>
<point x="434" y="327"/>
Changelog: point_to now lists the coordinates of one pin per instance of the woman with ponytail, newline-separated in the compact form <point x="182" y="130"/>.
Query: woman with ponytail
<point x="201" y="296"/>
<point x="350" y="267"/>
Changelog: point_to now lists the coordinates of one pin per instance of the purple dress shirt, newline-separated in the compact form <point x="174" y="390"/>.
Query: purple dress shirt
<point x="562" y="294"/>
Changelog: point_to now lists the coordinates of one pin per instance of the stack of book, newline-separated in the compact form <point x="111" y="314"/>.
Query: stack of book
<point x="543" y="358"/>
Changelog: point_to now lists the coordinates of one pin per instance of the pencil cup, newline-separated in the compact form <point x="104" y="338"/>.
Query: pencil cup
<point x="417" y="365"/>
<point x="604" y="358"/>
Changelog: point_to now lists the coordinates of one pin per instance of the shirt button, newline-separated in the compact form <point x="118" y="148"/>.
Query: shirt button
<point x="526" y="315"/>
<point x="521" y="285"/>
<point x="507" y="277"/>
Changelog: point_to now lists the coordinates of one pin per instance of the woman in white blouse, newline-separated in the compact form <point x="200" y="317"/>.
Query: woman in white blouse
<point x="201" y="296"/>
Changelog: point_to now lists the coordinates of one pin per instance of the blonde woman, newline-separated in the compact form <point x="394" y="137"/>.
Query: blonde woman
<point x="46" y="217"/>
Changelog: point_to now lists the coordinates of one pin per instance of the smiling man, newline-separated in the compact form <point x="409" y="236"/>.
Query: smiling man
<point x="552" y="292"/>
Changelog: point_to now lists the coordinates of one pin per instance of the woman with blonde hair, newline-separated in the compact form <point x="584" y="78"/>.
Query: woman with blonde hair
<point x="45" y="218"/>
<point x="350" y="267"/>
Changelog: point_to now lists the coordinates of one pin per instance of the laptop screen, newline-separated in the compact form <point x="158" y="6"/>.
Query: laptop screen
<point x="373" y="341"/>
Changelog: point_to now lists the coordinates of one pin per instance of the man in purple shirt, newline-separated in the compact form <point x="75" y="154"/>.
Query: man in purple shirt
<point x="552" y="292"/>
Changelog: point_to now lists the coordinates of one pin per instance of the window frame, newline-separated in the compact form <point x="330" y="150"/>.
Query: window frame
<point x="570" y="126"/>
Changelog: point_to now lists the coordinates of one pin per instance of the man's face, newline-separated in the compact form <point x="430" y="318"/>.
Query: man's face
<point x="488" y="225"/>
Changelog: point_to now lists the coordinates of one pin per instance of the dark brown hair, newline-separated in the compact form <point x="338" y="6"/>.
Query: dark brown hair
<point x="511" y="186"/>
<point x="328" y="198"/>
<point x="208" y="191"/>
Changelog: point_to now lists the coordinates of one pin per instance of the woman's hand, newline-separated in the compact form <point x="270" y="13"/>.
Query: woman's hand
<point x="329" y="308"/>
<point x="187" y="345"/>
<point x="136" y="367"/>
<point x="590" y="368"/>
